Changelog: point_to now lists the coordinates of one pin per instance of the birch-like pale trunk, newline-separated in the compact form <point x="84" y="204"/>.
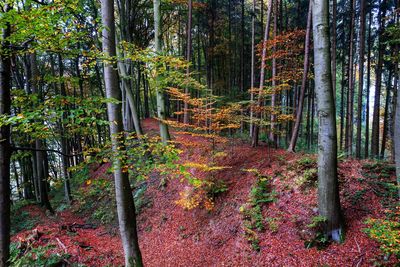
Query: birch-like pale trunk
<point x="123" y="191"/>
<point x="328" y="189"/>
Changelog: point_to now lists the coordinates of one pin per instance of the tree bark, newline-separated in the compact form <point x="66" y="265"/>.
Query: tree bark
<point x="361" y="78"/>
<point x="5" y="150"/>
<point x="295" y="132"/>
<point x="260" y="101"/>
<point x="188" y="58"/>
<point x="123" y="191"/>
<point x="253" y="34"/>
<point x="164" y="132"/>
<point x="378" y="85"/>
<point x="350" y="93"/>
<point x="328" y="189"/>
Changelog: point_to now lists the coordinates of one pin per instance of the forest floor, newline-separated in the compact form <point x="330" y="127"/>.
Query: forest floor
<point x="172" y="236"/>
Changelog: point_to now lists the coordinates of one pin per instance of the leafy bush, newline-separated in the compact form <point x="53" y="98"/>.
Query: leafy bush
<point x="253" y="219"/>
<point x="386" y="232"/>
<point x="21" y="256"/>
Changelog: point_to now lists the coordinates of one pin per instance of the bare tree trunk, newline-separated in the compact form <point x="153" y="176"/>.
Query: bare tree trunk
<point x="328" y="189"/>
<point x="306" y="64"/>
<point x="253" y="23"/>
<point x="123" y="191"/>
<point x="368" y="85"/>
<point x="260" y="101"/>
<point x="397" y="129"/>
<point x="188" y="58"/>
<point x="350" y="93"/>
<point x="378" y="85"/>
<point x="159" y="91"/>
<point x="361" y="78"/>
<point x="5" y="149"/>
<point x="273" y="97"/>
<point x="386" y="115"/>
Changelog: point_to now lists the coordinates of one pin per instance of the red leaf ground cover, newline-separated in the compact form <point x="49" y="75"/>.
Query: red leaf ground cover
<point x="172" y="236"/>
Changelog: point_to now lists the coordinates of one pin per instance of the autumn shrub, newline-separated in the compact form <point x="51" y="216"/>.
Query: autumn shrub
<point x="386" y="232"/>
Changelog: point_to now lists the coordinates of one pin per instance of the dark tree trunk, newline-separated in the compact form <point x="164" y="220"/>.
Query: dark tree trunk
<point x="378" y="85"/>
<point x="361" y="78"/>
<point x="5" y="150"/>
<point x="299" y="114"/>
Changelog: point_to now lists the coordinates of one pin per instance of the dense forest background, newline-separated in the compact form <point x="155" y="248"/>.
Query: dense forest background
<point x="161" y="93"/>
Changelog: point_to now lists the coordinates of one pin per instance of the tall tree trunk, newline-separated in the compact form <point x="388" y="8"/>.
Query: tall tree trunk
<point x="328" y="189"/>
<point x="188" y="58"/>
<point x="260" y="101"/>
<point x="386" y="115"/>
<point x="253" y="34"/>
<point x="361" y="78"/>
<point x="334" y="18"/>
<point x="39" y="143"/>
<point x="272" y="135"/>
<point x="5" y="149"/>
<point x="378" y="85"/>
<point x="397" y="129"/>
<point x="306" y="64"/>
<point x="123" y="191"/>
<point x="350" y="93"/>
<point x="368" y="85"/>
<point x="164" y="132"/>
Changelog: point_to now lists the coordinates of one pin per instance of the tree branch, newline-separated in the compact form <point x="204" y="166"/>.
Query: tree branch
<point x="45" y="150"/>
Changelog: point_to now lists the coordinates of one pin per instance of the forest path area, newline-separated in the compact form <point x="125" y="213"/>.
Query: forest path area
<point x="169" y="235"/>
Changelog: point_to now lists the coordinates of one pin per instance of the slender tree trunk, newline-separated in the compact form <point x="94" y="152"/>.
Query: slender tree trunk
<point x="253" y="34"/>
<point x="123" y="191"/>
<point x="295" y="132"/>
<point x="5" y="149"/>
<point x="159" y="91"/>
<point x="386" y="115"/>
<point x="397" y="129"/>
<point x="350" y="92"/>
<point x="361" y="78"/>
<point x="378" y="85"/>
<point x="368" y="85"/>
<point x="256" y="127"/>
<point x="273" y="97"/>
<point x="328" y="189"/>
<point x="188" y="58"/>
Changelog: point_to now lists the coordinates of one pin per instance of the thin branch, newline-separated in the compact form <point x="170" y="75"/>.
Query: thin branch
<point x="45" y="150"/>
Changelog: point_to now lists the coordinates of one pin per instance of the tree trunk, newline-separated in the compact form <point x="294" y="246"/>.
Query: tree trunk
<point x="350" y="93"/>
<point x="260" y="101"/>
<point x="123" y="191"/>
<point x="295" y="132"/>
<point x="5" y="149"/>
<point x="328" y="189"/>
<point x="361" y="78"/>
<point x="272" y="135"/>
<point x="397" y="130"/>
<point x="188" y="58"/>
<point x="368" y="85"/>
<point x="159" y="91"/>
<point x="386" y="115"/>
<point x="253" y="34"/>
<point x="333" y="25"/>
<point x="378" y="85"/>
